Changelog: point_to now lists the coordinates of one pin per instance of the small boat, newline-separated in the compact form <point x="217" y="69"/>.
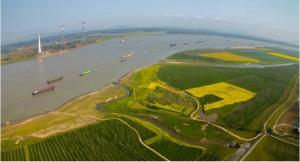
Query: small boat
<point x="85" y="72"/>
<point x="172" y="45"/>
<point x="49" y="88"/>
<point x="55" y="79"/>
<point x="126" y="55"/>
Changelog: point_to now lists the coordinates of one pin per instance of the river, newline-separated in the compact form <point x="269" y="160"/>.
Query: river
<point x="20" y="79"/>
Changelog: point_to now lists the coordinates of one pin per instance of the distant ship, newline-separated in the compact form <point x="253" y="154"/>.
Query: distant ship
<point x="200" y="41"/>
<point x="127" y="55"/>
<point x="85" y="72"/>
<point x="55" y="79"/>
<point x="49" y="88"/>
<point x="172" y="45"/>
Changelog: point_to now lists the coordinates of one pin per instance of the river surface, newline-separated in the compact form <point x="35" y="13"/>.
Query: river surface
<point x="20" y="79"/>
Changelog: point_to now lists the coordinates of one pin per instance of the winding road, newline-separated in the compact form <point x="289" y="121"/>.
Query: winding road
<point x="266" y="122"/>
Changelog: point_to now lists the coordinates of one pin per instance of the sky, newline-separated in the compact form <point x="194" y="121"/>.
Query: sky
<point x="273" y="19"/>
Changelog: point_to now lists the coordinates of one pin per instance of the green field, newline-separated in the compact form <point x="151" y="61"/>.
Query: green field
<point x="270" y="149"/>
<point x="268" y="83"/>
<point x="259" y="54"/>
<point x="13" y="155"/>
<point x="144" y="132"/>
<point x="176" y="152"/>
<point x="108" y="140"/>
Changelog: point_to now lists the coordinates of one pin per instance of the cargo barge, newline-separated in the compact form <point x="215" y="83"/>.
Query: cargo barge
<point x="55" y="79"/>
<point x="49" y="88"/>
<point x="85" y="72"/>
<point x="200" y="41"/>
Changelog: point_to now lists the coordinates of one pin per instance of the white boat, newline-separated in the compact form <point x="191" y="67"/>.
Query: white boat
<point x="127" y="54"/>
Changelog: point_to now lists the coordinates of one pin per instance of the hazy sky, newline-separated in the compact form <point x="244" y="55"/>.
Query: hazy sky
<point x="275" y="19"/>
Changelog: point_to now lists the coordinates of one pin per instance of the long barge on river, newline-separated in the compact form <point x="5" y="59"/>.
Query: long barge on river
<point x="38" y="91"/>
<point x="55" y="79"/>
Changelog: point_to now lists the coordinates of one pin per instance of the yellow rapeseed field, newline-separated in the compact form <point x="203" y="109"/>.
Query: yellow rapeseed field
<point x="284" y="56"/>
<point x="229" y="93"/>
<point x="228" y="56"/>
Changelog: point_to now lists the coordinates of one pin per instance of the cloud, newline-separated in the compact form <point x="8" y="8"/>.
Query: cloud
<point x="217" y="18"/>
<point x="176" y="15"/>
<point x="199" y="17"/>
<point x="179" y="15"/>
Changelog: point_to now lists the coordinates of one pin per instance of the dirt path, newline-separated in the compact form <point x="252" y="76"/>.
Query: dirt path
<point x="193" y="116"/>
<point x="141" y="141"/>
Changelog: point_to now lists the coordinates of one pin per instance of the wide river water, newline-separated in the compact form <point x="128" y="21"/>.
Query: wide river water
<point x="20" y="79"/>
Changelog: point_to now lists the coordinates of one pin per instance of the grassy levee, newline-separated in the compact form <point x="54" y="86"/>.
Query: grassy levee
<point x="17" y="60"/>
<point x="108" y="140"/>
<point x="268" y="84"/>
<point x="270" y="149"/>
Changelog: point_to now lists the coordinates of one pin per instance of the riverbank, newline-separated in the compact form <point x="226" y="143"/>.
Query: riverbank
<point x="90" y="93"/>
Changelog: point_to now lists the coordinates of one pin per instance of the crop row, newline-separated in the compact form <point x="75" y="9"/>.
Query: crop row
<point x="144" y="132"/>
<point x="13" y="155"/>
<point x="109" y="140"/>
<point x="177" y="152"/>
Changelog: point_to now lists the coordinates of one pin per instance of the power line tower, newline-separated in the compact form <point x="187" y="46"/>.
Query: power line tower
<point x="83" y="30"/>
<point x="62" y="32"/>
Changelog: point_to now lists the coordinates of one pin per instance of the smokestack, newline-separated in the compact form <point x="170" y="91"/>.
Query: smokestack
<point x="40" y="47"/>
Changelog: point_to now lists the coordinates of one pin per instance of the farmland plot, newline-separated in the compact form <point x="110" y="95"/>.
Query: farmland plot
<point x="229" y="93"/>
<point x="144" y="132"/>
<point x="109" y="140"/>
<point x="177" y="152"/>
<point x="13" y="155"/>
<point x="228" y="56"/>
